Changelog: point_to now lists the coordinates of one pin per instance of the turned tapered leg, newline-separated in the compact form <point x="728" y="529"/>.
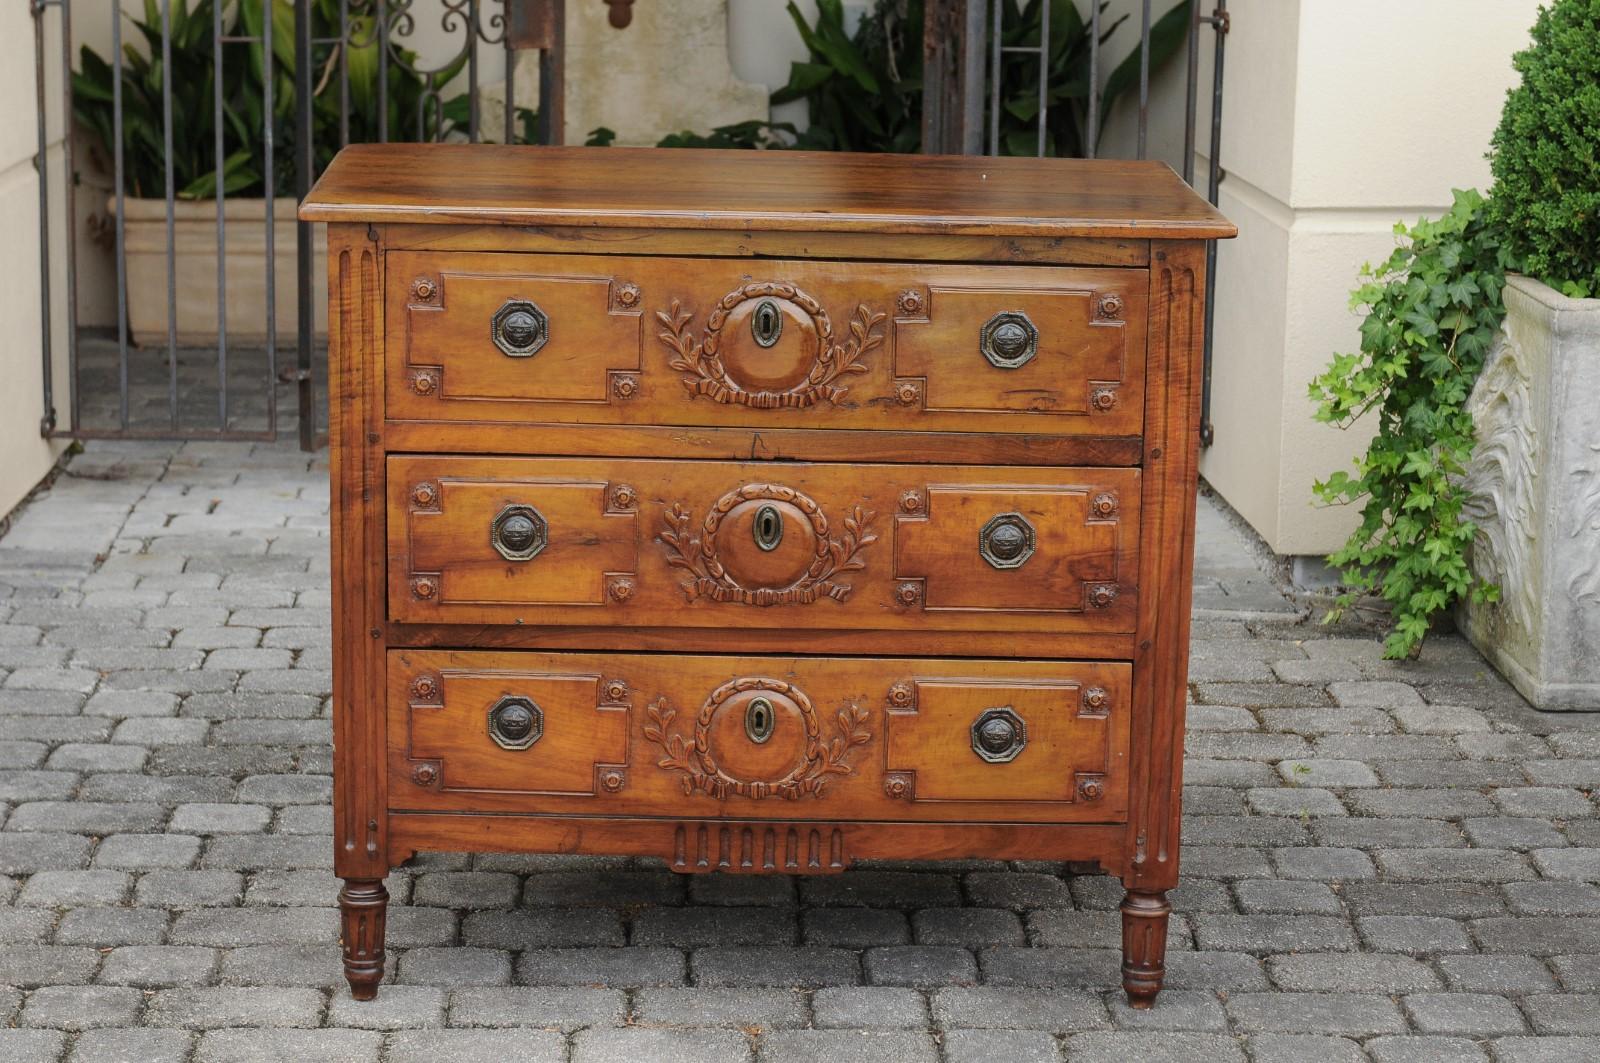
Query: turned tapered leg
<point x="1144" y="945"/>
<point x="363" y="907"/>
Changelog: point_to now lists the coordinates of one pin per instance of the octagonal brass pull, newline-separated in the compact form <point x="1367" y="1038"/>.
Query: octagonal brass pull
<point x="998" y="735"/>
<point x="1009" y="340"/>
<point x="519" y="328"/>
<point x="519" y="532"/>
<point x="516" y="723"/>
<point x="1007" y="540"/>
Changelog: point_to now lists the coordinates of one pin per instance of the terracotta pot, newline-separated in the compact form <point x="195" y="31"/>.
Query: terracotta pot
<point x="195" y="263"/>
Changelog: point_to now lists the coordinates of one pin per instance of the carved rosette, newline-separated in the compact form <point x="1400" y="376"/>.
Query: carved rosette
<point x="726" y="573"/>
<point x="425" y="381"/>
<point x="710" y="760"/>
<point x="709" y="369"/>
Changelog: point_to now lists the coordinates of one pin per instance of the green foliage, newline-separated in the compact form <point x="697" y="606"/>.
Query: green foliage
<point x="1546" y="152"/>
<point x="864" y="89"/>
<point x="244" y="96"/>
<point x="752" y="134"/>
<point x="1431" y="312"/>
<point x="1067" y="123"/>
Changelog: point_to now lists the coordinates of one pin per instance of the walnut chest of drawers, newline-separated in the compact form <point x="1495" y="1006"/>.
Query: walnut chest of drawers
<point x="761" y="512"/>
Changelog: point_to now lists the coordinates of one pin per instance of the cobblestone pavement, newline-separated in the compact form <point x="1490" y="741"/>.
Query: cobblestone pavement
<point x="1389" y="862"/>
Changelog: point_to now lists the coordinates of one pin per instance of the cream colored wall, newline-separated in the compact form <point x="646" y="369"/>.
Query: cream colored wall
<point x="25" y="456"/>
<point x="1340" y="118"/>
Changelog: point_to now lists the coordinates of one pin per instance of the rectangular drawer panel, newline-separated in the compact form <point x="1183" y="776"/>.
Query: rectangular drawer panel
<point x="776" y="545"/>
<point x="600" y="339"/>
<point x="759" y="737"/>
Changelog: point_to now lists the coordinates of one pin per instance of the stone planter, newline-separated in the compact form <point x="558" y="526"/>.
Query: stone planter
<point x="1534" y="485"/>
<point x="195" y="244"/>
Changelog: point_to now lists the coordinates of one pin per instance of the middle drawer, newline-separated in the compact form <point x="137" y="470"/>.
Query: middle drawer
<point x="712" y="544"/>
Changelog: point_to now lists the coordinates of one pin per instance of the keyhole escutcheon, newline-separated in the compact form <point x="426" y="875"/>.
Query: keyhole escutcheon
<point x="759" y="720"/>
<point x="767" y="529"/>
<point x="766" y="324"/>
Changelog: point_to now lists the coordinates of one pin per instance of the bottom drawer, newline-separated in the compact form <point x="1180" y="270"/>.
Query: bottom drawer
<point x="759" y="737"/>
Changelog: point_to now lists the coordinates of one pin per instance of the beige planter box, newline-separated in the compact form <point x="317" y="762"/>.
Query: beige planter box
<point x="195" y="262"/>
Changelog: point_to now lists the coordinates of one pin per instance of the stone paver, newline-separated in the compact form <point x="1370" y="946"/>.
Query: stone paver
<point x="1387" y="861"/>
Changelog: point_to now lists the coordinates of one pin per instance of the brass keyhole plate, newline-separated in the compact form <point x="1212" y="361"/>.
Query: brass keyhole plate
<point x="767" y="528"/>
<point x="766" y="323"/>
<point x="759" y="720"/>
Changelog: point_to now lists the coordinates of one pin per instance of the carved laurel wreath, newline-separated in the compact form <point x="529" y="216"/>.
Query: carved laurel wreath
<point x="705" y="374"/>
<point x="701" y="773"/>
<point x="698" y="555"/>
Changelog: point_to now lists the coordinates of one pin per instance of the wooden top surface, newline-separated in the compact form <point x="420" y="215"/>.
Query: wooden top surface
<point x="800" y="191"/>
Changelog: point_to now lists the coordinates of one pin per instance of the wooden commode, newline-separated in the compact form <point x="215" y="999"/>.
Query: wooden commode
<point x="761" y="512"/>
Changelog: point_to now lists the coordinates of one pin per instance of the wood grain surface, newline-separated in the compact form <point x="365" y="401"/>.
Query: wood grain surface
<point x="670" y="341"/>
<point x="764" y="190"/>
<point x="823" y="507"/>
<point x="673" y="544"/>
<point x="851" y="738"/>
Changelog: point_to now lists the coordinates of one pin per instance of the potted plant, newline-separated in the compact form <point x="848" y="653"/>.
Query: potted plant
<point x="244" y="177"/>
<point x="1533" y="483"/>
<point x="1480" y="363"/>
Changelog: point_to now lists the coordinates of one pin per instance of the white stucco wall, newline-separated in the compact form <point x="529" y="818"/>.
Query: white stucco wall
<point x="25" y="456"/>
<point x="1340" y="118"/>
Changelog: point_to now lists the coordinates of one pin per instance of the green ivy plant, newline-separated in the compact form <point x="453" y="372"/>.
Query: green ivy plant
<point x="1546" y="153"/>
<point x="1431" y="311"/>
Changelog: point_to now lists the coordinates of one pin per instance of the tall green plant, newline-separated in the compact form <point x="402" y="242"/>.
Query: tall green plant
<point x="1067" y="94"/>
<point x="1431" y="309"/>
<point x="244" y="96"/>
<point x="1546" y="152"/>
<point x="864" y="89"/>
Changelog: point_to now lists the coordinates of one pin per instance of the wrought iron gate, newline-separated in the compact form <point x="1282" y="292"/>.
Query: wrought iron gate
<point x="290" y="81"/>
<point x="337" y="71"/>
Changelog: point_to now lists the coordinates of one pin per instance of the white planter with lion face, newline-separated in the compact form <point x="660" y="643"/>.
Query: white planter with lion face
<point x="1534" y="485"/>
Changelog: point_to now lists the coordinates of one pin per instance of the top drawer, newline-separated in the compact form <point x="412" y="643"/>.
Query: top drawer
<point x="602" y="339"/>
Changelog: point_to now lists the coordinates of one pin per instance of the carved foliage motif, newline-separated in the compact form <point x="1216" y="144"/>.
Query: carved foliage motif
<point x="710" y="577"/>
<point x="705" y="372"/>
<point x="694" y="757"/>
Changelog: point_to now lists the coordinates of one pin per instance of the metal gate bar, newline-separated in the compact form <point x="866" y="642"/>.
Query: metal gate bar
<point x="1219" y="22"/>
<point x="953" y="121"/>
<point x="157" y="365"/>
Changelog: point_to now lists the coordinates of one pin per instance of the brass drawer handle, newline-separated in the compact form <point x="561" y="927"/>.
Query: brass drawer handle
<point x="1009" y="340"/>
<point x="516" y="722"/>
<point x="519" y="328"/>
<point x="998" y="735"/>
<point x="1007" y="541"/>
<point x="519" y="532"/>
